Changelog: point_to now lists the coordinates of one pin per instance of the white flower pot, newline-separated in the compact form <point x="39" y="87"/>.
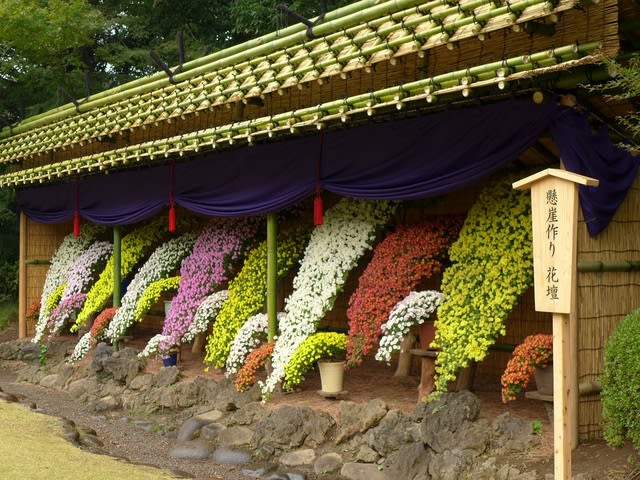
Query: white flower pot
<point x="331" y="375"/>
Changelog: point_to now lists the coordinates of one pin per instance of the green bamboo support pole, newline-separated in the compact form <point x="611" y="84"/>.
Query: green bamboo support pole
<point x="22" y="277"/>
<point x="272" y="276"/>
<point x="117" y="263"/>
<point x="609" y="266"/>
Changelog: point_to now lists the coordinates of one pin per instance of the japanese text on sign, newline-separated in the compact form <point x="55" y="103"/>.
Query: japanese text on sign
<point x="551" y="278"/>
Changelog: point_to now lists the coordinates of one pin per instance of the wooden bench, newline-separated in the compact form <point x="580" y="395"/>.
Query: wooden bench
<point x="464" y="380"/>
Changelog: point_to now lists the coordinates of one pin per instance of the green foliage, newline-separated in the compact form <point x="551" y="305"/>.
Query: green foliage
<point x="620" y="382"/>
<point x="49" y="44"/>
<point x="257" y="17"/>
<point x="8" y="281"/>
<point x="536" y="427"/>
<point x="321" y="345"/>
<point x="624" y="85"/>
<point x="42" y="354"/>
<point x="8" y="314"/>
<point x="8" y="246"/>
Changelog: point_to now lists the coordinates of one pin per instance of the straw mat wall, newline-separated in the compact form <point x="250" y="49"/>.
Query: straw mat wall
<point x="41" y="243"/>
<point x="604" y="299"/>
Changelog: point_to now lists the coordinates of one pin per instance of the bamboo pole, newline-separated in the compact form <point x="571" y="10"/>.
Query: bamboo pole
<point x="117" y="264"/>
<point x="373" y="14"/>
<point x="22" y="278"/>
<point x="609" y="266"/>
<point x="288" y="121"/>
<point x="358" y="12"/>
<point x="272" y="276"/>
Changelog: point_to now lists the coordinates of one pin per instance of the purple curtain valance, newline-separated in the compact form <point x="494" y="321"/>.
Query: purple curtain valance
<point x="405" y="159"/>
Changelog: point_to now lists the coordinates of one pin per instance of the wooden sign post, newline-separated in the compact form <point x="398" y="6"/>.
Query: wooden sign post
<point x="554" y="207"/>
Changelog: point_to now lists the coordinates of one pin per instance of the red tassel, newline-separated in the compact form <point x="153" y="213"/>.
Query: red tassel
<point x="76" y="223"/>
<point x="317" y="210"/>
<point x="172" y="204"/>
<point x="172" y="218"/>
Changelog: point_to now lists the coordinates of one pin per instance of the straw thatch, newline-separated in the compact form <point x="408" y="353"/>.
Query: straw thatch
<point x="605" y="298"/>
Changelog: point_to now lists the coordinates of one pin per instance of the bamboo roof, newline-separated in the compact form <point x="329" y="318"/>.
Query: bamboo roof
<point x="363" y="61"/>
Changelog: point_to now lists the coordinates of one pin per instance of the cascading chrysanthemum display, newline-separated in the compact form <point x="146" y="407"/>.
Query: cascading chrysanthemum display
<point x="61" y="262"/>
<point x="216" y="253"/>
<point x="248" y="291"/>
<point x="348" y="231"/>
<point x="492" y="266"/>
<point x="135" y="246"/>
<point x="163" y="262"/>
<point x="407" y="256"/>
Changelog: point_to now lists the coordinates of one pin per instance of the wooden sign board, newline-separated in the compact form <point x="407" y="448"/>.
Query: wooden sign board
<point x="554" y="208"/>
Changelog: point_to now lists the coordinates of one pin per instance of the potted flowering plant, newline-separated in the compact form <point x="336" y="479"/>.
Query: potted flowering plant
<point x="320" y="347"/>
<point x="535" y="351"/>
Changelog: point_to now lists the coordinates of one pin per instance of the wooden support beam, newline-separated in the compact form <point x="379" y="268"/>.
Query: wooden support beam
<point x="272" y="276"/>
<point x="22" y="278"/>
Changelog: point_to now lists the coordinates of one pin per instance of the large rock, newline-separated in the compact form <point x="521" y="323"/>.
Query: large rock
<point x="166" y="376"/>
<point x="296" y="458"/>
<point x="291" y="427"/>
<point x="328" y="464"/>
<point x="236" y="436"/>
<point x="29" y="352"/>
<point x="511" y="434"/>
<point x="11" y="350"/>
<point x="101" y="353"/>
<point x="450" y="465"/>
<point x="186" y="394"/>
<point x="122" y="366"/>
<point x="249" y="414"/>
<point x="362" y="471"/>
<point x="410" y="462"/>
<point x="393" y="432"/>
<point x="450" y="420"/>
<point x="356" y="418"/>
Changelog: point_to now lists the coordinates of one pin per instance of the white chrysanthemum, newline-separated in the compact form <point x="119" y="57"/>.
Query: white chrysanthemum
<point x="251" y="334"/>
<point x="205" y="314"/>
<point x="413" y="309"/>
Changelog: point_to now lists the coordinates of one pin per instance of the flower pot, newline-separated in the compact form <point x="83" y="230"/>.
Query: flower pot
<point x="170" y="359"/>
<point x="426" y="333"/>
<point x="331" y="375"/>
<point x="544" y="380"/>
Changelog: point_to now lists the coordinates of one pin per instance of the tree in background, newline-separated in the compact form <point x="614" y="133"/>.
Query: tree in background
<point x="625" y="85"/>
<point x="8" y="247"/>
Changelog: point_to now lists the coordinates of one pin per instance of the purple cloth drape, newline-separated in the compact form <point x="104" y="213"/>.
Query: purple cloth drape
<point x="404" y="159"/>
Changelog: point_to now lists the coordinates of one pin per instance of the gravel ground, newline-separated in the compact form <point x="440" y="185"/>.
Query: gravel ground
<point x="121" y="437"/>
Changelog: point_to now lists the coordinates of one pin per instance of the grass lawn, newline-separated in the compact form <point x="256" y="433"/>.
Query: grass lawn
<point x="33" y="448"/>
